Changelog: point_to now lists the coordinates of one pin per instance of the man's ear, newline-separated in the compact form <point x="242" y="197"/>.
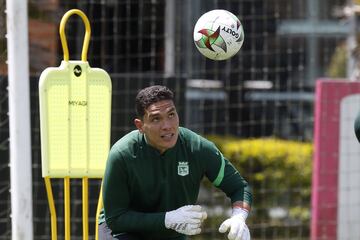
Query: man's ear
<point x="139" y="124"/>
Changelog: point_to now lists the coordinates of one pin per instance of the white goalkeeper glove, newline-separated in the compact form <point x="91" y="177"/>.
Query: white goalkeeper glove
<point x="236" y="225"/>
<point x="186" y="220"/>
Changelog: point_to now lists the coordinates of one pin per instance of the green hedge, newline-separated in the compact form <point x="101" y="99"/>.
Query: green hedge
<point x="281" y="161"/>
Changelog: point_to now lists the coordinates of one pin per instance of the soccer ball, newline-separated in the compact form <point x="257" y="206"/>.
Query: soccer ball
<point x="218" y="34"/>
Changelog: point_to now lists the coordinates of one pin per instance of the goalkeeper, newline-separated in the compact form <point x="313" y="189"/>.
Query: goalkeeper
<point x="153" y="175"/>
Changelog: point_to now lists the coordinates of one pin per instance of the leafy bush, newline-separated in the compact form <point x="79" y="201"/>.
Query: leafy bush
<point x="281" y="161"/>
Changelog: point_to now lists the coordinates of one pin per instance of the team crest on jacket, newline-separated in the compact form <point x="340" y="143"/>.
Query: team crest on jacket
<point x="183" y="168"/>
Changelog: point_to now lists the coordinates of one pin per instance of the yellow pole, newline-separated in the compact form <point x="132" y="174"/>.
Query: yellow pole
<point x="63" y="36"/>
<point x="99" y="207"/>
<point x="67" y="207"/>
<point x="52" y="208"/>
<point x="85" y="207"/>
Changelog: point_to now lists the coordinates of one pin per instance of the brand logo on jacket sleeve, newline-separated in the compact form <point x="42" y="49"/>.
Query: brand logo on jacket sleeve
<point x="183" y="168"/>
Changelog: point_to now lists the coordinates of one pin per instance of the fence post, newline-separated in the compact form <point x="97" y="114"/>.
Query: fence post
<point x="19" y="120"/>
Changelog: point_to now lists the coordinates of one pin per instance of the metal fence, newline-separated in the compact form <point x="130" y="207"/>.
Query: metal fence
<point x="265" y="90"/>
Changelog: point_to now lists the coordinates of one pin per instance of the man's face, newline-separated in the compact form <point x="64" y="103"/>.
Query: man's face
<point x="160" y="125"/>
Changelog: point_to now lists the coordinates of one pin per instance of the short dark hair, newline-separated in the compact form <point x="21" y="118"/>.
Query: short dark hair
<point x="150" y="95"/>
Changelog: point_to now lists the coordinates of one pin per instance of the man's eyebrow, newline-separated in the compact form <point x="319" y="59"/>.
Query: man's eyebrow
<point x="171" y="109"/>
<point x="151" y="115"/>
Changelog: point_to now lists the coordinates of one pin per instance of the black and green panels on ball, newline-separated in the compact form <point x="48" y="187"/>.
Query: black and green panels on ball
<point x="357" y="126"/>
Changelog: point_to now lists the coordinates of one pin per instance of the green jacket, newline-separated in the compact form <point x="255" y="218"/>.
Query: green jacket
<point x="140" y="185"/>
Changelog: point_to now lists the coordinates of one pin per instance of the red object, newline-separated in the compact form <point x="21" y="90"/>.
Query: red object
<point x="324" y="202"/>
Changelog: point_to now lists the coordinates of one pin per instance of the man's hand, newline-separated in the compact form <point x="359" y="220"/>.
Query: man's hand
<point x="236" y="225"/>
<point x="186" y="220"/>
